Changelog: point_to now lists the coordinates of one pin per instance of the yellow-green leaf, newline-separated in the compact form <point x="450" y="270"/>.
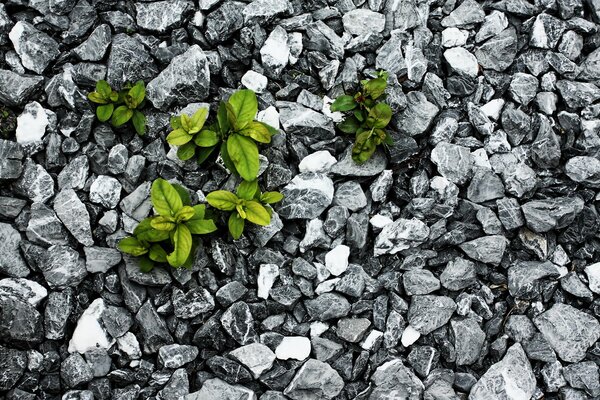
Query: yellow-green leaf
<point x="236" y="225"/>
<point x="178" y="137"/>
<point x="201" y="226"/>
<point x="157" y="253"/>
<point x="206" y="138"/>
<point x="198" y="120"/>
<point x="186" y="151"/>
<point x="343" y="103"/>
<point x="257" y="131"/>
<point x="104" y="112"/>
<point x="222" y="200"/>
<point x="138" y="93"/>
<point x="185" y="214"/>
<point x="247" y="189"/>
<point x="121" y="115"/>
<point x="165" y="199"/>
<point x="97" y="98"/>
<point x="271" y="197"/>
<point x="244" y="106"/>
<point x="131" y="245"/>
<point x="161" y="223"/>
<point x="182" y="246"/>
<point x="139" y="122"/>
<point x="244" y="154"/>
<point x="257" y="214"/>
<point x="145" y="231"/>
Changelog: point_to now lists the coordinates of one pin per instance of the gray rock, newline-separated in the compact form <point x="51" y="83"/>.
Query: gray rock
<point x="161" y="16"/>
<point x="487" y="249"/>
<point x="44" y="227"/>
<point x="324" y="39"/>
<point x="63" y="267"/>
<point x="222" y="23"/>
<point x="512" y="377"/>
<point x="129" y="61"/>
<point x="362" y="21"/>
<point x="468" y="340"/>
<point x="400" y="235"/>
<point x="485" y="186"/>
<point x="553" y="376"/>
<point x="177" y="387"/>
<point x="310" y="126"/>
<point x="116" y="320"/>
<point x="428" y="312"/>
<point x="525" y="277"/>
<point x="571" y="283"/>
<point x="238" y="322"/>
<point x="74" y="216"/>
<point x="176" y="355"/>
<point x="17" y="89"/>
<point x="327" y="306"/>
<point x="350" y="195"/>
<point x="467" y="13"/>
<point x="584" y="170"/>
<point x="578" y="94"/>
<point x="35" y="182"/>
<point x="11" y="154"/>
<point x="216" y="388"/>
<point x="346" y="166"/>
<point x="11" y="261"/>
<point x="74" y="174"/>
<point x="458" y="274"/>
<point x="153" y="330"/>
<point x="156" y="277"/>
<point x="96" y="44"/>
<point x="389" y="55"/>
<point x="545" y="150"/>
<point x="57" y="312"/>
<point x="117" y="159"/>
<point x="569" y="332"/>
<point x="20" y="322"/>
<point x="257" y="357"/>
<point x="306" y="386"/>
<point x="454" y="162"/>
<point x="264" y="11"/>
<point x="493" y="24"/>
<point x="352" y="329"/>
<point x="523" y="87"/>
<point x="186" y="79"/>
<point x="393" y="377"/>
<point x="306" y="196"/>
<point x="519" y="179"/>
<point x="419" y="281"/>
<point x="583" y="375"/>
<point x="549" y="214"/>
<point x="192" y="303"/>
<point x="75" y="371"/>
<point x="105" y="190"/>
<point x="418" y="115"/>
<point x="499" y="52"/>
<point x="12" y="366"/>
<point x="35" y="48"/>
<point x="546" y="31"/>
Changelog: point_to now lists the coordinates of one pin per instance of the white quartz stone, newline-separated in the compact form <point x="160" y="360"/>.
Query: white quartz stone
<point x="319" y="161"/>
<point x="32" y="123"/>
<point x="409" y="336"/>
<point x="267" y="274"/>
<point x="593" y="273"/>
<point x="336" y="260"/>
<point x="255" y="81"/>
<point x="493" y="108"/>
<point x="269" y="116"/>
<point x="294" y="347"/>
<point x="462" y="61"/>
<point x="379" y="221"/>
<point x="452" y="37"/>
<point x="89" y="332"/>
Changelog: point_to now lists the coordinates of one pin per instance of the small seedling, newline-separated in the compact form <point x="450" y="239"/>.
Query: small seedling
<point x="235" y="134"/>
<point x="120" y="107"/>
<point x="366" y="118"/>
<point x="167" y="237"/>
<point x="247" y="204"/>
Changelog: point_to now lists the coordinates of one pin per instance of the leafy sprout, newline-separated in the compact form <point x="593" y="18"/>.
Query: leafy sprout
<point x="120" y="107"/>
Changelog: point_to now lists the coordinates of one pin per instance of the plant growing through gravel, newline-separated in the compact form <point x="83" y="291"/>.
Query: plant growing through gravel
<point x="247" y="204"/>
<point x="121" y="107"/>
<point x="168" y="236"/>
<point x="8" y="122"/>
<point x="366" y="116"/>
<point x="235" y="134"/>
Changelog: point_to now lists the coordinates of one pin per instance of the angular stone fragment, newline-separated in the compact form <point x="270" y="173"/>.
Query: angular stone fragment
<point x="324" y="39"/>
<point x="546" y="31"/>
<point x="593" y="273"/>
<point x="419" y="281"/>
<point x="35" y="48"/>
<point x="346" y="166"/>
<point x="96" y="44"/>
<point x="548" y="214"/>
<point x="416" y="118"/>
<point x="315" y="380"/>
<point x="63" y="267"/>
<point x="394" y="377"/>
<point x="16" y="89"/>
<point x="31" y="124"/>
<point x="309" y="125"/>
<point x="105" y="190"/>
<point x="275" y="52"/>
<point x="222" y="23"/>
<point x="153" y="330"/>
<point x="238" y="322"/>
<point x="525" y="277"/>
<point x="216" y="388"/>
<point x="454" y="162"/>
<point x="499" y="52"/>
<point x="327" y="306"/>
<point x="569" y="331"/>
<point x="11" y="155"/>
<point x="510" y="378"/>
<point x="306" y="196"/>
<point x="485" y="186"/>
<point x="428" y="312"/>
<point x="90" y="334"/>
<point x="487" y="249"/>
<point x="44" y="227"/>
<point x="12" y="366"/>
<point x="257" y="357"/>
<point x="363" y="21"/>
<point x="585" y="170"/>
<point x="74" y="174"/>
<point x="462" y="61"/>
<point x="160" y="16"/>
<point x="468" y="340"/>
<point x="578" y="94"/>
<point x="185" y="79"/>
<point x="20" y="322"/>
<point x="467" y="13"/>
<point x="35" y="182"/>
<point x="176" y="355"/>
<point x="263" y="11"/>
<point x="74" y="216"/>
<point x="11" y="261"/>
<point x="129" y="61"/>
<point x="458" y="274"/>
<point x="400" y="235"/>
<point x="546" y="147"/>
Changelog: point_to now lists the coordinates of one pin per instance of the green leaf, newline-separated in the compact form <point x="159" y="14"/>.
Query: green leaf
<point x="198" y="120"/>
<point x="182" y="246"/>
<point x="121" y="115"/>
<point x="379" y="116"/>
<point x="97" y="98"/>
<point x="247" y="189"/>
<point x="185" y="214"/>
<point x="206" y="138"/>
<point x="199" y="211"/>
<point x="144" y="231"/>
<point x="139" y="122"/>
<point x="257" y="214"/>
<point x="103" y="88"/>
<point x="133" y="246"/>
<point x="227" y="159"/>
<point x="161" y="223"/>
<point x="201" y="226"/>
<point x="343" y="103"/>
<point x="183" y="194"/>
<point x="104" y="112"/>
<point x="349" y="125"/>
<point x="358" y="114"/>
<point x="165" y="199"/>
<point x="375" y="87"/>
<point x="240" y="210"/>
<point x="204" y="153"/>
<point x="388" y="139"/>
<point x="138" y="93"/>
<point x="175" y="122"/>
<point x="186" y="151"/>
<point x="146" y="265"/>
<point x="186" y="122"/>
<point x="271" y="197"/>
<point x="157" y="253"/>
<point x="257" y="131"/>
<point x="244" y="106"/>
<point x="236" y="226"/>
<point x="179" y="137"/>
<point x="363" y="148"/>
<point x="222" y="118"/>
<point x="244" y="154"/>
<point x="222" y="200"/>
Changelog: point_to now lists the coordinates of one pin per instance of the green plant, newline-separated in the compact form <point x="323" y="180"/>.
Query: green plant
<point x="366" y="116"/>
<point x="235" y="133"/>
<point x="247" y="204"/>
<point x="121" y="107"/>
<point x="168" y="236"/>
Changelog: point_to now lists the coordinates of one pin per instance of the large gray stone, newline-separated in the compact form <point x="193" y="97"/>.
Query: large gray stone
<point x="216" y="388"/>
<point x="418" y="115"/>
<point x="487" y="249"/>
<point x="454" y="162"/>
<point x="548" y="214"/>
<point x="428" y="312"/>
<point x="306" y="196"/>
<point x="11" y="261"/>
<point x="35" y="48"/>
<point x="16" y="89"/>
<point x="315" y="380"/>
<point x="63" y="267"/>
<point x="160" y="16"/>
<point x="400" y="235"/>
<point x="129" y="61"/>
<point x="74" y="216"/>
<point x="394" y="379"/>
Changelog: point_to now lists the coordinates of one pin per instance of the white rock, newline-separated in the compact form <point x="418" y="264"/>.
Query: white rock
<point x="295" y="347"/>
<point x="409" y="336"/>
<point x="89" y="332"/>
<point x="275" y="52"/>
<point x="593" y="273"/>
<point x="462" y="61"/>
<point x="129" y="345"/>
<point x="269" y="116"/>
<point x="267" y="274"/>
<point x="23" y="289"/>
<point x="319" y="161"/>
<point x="362" y="21"/>
<point x="295" y="45"/>
<point x="326" y="286"/>
<point x="493" y="108"/>
<point x="32" y="123"/>
<point x="480" y="158"/>
<point x="452" y="37"/>
<point x="371" y="339"/>
<point x="336" y="116"/>
<point x="257" y="357"/>
<point x="255" y="81"/>
<point x="336" y="260"/>
<point x="317" y="328"/>
<point x="379" y="221"/>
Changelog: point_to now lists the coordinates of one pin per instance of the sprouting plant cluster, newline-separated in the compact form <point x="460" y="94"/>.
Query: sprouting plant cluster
<point x="122" y="106"/>
<point x="367" y="116"/>
<point x="171" y="235"/>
